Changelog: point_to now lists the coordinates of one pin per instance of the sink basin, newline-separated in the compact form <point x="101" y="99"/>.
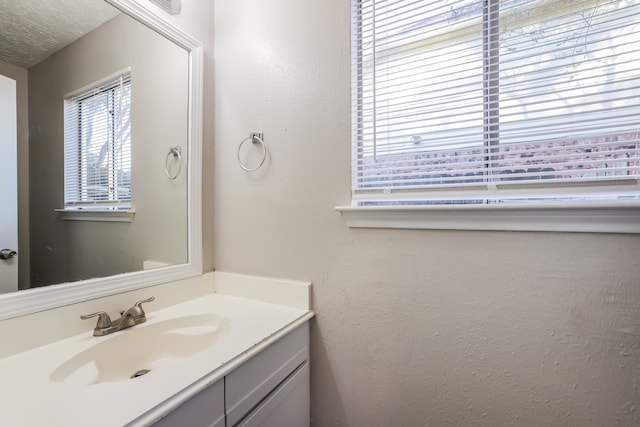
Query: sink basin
<point x="140" y="349"/>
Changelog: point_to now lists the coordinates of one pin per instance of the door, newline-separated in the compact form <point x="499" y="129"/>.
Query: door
<point x="8" y="184"/>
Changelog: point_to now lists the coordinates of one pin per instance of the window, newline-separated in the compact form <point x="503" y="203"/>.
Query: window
<point x="495" y="102"/>
<point x="97" y="147"/>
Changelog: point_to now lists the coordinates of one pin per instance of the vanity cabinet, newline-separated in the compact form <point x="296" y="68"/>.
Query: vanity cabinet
<point x="262" y="387"/>
<point x="270" y="389"/>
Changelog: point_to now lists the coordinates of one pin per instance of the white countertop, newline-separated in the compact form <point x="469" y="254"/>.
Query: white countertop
<point x="28" y="396"/>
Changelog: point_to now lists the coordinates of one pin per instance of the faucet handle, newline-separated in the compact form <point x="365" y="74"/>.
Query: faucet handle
<point x="104" y="321"/>
<point x="139" y="304"/>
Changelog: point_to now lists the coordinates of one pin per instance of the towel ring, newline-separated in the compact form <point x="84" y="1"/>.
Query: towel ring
<point x="173" y="152"/>
<point x="256" y="138"/>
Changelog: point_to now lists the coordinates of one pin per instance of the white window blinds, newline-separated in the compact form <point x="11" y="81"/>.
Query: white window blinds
<point x="468" y="101"/>
<point x="97" y="146"/>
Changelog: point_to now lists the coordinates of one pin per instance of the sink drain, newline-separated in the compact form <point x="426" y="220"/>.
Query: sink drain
<point x="140" y="373"/>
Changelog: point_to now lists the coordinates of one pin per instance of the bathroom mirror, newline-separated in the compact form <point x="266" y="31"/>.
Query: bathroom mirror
<point x="79" y="254"/>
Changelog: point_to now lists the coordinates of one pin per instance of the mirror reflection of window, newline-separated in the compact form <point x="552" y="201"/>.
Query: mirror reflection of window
<point x="97" y="145"/>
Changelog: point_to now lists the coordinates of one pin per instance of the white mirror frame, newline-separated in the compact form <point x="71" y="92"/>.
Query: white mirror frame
<point x="34" y="300"/>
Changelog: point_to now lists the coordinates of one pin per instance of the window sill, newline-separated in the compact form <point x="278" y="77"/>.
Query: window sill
<point x="591" y="218"/>
<point x="99" y="215"/>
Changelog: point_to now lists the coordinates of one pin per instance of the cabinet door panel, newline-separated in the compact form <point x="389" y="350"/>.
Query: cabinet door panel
<point x="254" y="380"/>
<point x="288" y="405"/>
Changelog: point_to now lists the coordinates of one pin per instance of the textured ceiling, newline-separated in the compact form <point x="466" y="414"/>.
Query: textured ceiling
<point x="32" y="30"/>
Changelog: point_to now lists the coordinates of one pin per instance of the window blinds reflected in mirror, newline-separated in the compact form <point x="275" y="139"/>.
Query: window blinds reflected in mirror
<point x="97" y="146"/>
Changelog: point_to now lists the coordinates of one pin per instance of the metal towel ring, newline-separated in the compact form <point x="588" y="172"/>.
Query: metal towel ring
<point x="256" y="138"/>
<point x="175" y="152"/>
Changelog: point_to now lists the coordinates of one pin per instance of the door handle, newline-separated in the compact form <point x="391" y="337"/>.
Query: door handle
<point x="7" y="253"/>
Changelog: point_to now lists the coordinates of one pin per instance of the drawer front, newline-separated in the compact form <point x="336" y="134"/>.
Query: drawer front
<point x="248" y="385"/>
<point x="205" y="409"/>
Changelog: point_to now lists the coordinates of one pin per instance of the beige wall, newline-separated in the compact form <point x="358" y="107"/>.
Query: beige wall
<point x="20" y="75"/>
<point x="72" y="250"/>
<point x="413" y="328"/>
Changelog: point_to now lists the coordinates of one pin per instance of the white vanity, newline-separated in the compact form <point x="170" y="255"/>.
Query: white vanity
<point x="270" y="389"/>
<point x="237" y="353"/>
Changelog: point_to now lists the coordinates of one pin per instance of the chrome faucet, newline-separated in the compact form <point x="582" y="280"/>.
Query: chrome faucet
<point x="134" y="316"/>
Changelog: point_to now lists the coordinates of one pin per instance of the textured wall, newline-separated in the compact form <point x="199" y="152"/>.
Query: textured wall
<point x="413" y="328"/>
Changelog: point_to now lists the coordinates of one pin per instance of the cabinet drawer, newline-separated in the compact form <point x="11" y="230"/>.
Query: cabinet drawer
<point x="205" y="409"/>
<point x="248" y="385"/>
